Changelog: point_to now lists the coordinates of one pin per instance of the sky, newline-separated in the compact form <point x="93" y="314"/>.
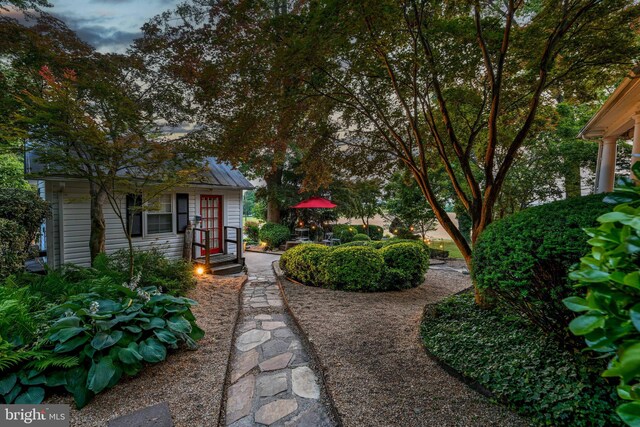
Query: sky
<point x="108" y="25"/>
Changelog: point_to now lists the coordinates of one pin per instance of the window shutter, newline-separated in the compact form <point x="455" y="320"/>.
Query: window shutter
<point x="134" y="216"/>
<point x="182" y="212"/>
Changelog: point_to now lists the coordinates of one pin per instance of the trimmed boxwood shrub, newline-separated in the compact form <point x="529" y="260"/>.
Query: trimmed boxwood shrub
<point x="411" y="259"/>
<point x="274" y="234"/>
<point x="303" y="263"/>
<point x="361" y="238"/>
<point x="524" y="259"/>
<point x="353" y="269"/>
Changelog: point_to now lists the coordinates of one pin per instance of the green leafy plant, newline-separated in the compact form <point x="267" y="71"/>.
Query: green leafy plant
<point x="353" y="269"/>
<point x="344" y="232"/>
<point x="304" y="263"/>
<point x="152" y="267"/>
<point x="361" y="238"/>
<point x="25" y="208"/>
<point x="410" y="258"/>
<point x="609" y="317"/>
<point x="375" y="232"/>
<point x="524" y="368"/>
<point x="274" y="235"/>
<point x="252" y="230"/>
<point x="524" y="260"/>
<point x="12" y="247"/>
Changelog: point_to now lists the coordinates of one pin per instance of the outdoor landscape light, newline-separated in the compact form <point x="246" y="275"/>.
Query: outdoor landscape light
<point x="199" y="270"/>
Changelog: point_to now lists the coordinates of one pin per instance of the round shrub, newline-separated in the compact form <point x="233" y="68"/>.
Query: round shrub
<point x="524" y="259"/>
<point x="304" y="263"/>
<point x="410" y="258"/>
<point x="361" y="238"/>
<point x="12" y="248"/>
<point x="344" y="232"/>
<point x="274" y="234"/>
<point x="374" y="232"/>
<point x="353" y="269"/>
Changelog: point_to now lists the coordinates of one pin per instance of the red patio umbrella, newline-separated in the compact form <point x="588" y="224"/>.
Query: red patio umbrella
<point x="315" y="202"/>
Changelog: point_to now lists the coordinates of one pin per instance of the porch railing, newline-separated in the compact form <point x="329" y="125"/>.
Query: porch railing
<point x="205" y="245"/>
<point x="238" y="241"/>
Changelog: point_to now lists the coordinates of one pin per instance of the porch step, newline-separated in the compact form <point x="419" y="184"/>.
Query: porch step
<point x="225" y="269"/>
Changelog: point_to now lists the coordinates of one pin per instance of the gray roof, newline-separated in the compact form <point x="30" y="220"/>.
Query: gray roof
<point x="224" y="175"/>
<point x="219" y="174"/>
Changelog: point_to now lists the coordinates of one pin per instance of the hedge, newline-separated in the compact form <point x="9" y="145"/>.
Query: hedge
<point x="397" y="264"/>
<point x="524" y="259"/>
<point x="361" y="238"/>
<point x="303" y="262"/>
<point x="25" y="208"/>
<point x="375" y="232"/>
<point x="274" y="234"/>
<point x="344" y="232"/>
<point x="353" y="269"/>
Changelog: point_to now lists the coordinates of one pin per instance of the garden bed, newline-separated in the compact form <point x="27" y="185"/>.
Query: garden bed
<point x="375" y="367"/>
<point x="190" y="382"/>
<point x="521" y="366"/>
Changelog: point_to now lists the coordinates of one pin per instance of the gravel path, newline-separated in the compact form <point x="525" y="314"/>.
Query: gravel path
<point x="272" y="378"/>
<point x="375" y="368"/>
<point x="190" y="382"/>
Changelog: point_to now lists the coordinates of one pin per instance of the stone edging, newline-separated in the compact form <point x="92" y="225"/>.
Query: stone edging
<point x="313" y="353"/>
<point x="470" y="382"/>
<point x="227" y="374"/>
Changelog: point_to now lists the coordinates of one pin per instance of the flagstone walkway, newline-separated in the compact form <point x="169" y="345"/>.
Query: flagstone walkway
<point x="272" y="380"/>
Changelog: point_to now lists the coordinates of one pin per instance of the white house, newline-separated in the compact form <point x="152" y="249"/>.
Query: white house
<point x="215" y="204"/>
<point x="617" y="120"/>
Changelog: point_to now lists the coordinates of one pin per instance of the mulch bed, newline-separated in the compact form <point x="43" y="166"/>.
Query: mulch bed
<point x="190" y="382"/>
<point x="375" y="366"/>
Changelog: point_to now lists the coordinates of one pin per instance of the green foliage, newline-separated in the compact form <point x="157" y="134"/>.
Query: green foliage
<point x="353" y="269"/>
<point x="404" y="263"/>
<point x="274" y="235"/>
<point x="609" y="317"/>
<point x="375" y="232"/>
<point x="24" y="207"/>
<point x="524" y="259"/>
<point x="344" y="232"/>
<point x="82" y="330"/>
<point x="154" y="269"/>
<point x="361" y="238"/>
<point x="405" y="201"/>
<point x="304" y="263"/>
<point x="252" y="230"/>
<point x="12" y="171"/>
<point x="410" y="258"/>
<point x="12" y="247"/>
<point x="523" y="367"/>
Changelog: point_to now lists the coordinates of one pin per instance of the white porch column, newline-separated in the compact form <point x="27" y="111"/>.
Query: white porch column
<point x="607" y="166"/>
<point x="635" y="153"/>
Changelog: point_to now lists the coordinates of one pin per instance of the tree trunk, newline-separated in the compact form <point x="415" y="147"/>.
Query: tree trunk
<point x="98" y="225"/>
<point x="273" y="182"/>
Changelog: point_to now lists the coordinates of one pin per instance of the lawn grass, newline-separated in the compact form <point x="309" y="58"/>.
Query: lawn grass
<point x="447" y="245"/>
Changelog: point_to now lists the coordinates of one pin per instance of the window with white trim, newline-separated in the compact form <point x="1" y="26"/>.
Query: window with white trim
<point x="161" y="220"/>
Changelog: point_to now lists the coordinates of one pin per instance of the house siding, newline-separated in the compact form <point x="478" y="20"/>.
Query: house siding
<point x="74" y="213"/>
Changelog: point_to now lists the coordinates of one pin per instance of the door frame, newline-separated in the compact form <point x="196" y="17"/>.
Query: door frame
<point x="220" y="223"/>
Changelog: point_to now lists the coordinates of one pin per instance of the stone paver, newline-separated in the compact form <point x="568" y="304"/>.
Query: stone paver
<point x="239" y="398"/>
<point x="277" y="362"/>
<point x="271" y="381"/>
<point x="305" y="383"/>
<point x="276" y="410"/>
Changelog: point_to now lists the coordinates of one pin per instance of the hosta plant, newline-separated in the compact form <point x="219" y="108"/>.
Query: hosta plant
<point x="96" y="338"/>
<point x="609" y="317"/>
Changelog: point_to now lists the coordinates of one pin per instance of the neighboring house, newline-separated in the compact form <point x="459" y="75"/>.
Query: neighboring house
<point x="214" y="204"/>
<point x="617" y="119"/>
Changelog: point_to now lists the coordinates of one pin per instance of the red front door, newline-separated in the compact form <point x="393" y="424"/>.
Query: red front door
<point x="211" y="213"/>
